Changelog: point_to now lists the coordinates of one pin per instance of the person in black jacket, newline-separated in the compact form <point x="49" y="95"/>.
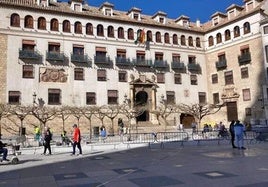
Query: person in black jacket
<point x="3" y="151"/>
<point x="47" y="139"/>
<point x="231" y="130"/>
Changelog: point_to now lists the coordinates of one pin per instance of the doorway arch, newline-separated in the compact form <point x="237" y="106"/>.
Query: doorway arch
<point x="141" y="99"/>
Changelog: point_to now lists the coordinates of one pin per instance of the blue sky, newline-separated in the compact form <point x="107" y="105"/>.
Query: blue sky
<point x="195" y="9"/>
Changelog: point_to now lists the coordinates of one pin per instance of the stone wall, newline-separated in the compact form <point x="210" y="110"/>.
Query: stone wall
<point x="3" y="67"/>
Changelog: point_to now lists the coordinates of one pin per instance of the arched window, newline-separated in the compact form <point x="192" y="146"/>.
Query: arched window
<point x="89" y="29"/>
<point x="198" y="42"/>
<point x="42" y="25"/>
<point x="183" y="41"/>
<point x="77" y="28"/>
<point x="246" y="28"/>
<point x="219" y="38"/>
<point x="120" y="33"/>
<point x="130" y="34"/>
<point x="158" y="37"/>
<point x="227" y="34"/>
<point x="210" y="41"/>
<point x="149" y="36"/>
<point x="190" y="41"/>
<point x="54" y="25"/>
<point x="236" y="31"/>
<point x="28" y="22"/>
<point x="175" y="39"/>
<point x="15" y="20"/>
<point x="110" y="31"/>
<point x="66" y="26"/>
<point x="100" y="31"/>
<point x="166" y="36"/>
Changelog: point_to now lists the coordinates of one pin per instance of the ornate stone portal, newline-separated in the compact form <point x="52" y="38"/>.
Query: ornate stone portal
<point x="143" y="93"/>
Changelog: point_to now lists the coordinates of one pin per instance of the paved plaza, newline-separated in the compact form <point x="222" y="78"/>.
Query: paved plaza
<point x="206" y="164"/>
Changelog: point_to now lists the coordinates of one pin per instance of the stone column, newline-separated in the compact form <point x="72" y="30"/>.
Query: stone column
<point x="131" y="95"/>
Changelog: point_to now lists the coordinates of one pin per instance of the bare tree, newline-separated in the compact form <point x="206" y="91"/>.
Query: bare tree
<point x="100" y="113"/>
<point x="21" y="112"/>
<point x="77" y="113"/>
<point x="111" y="112"/>
<point x="4" y="112"/>
<point x="131" y="113"/>
<point x="199" y="111"/>
<point x="44" y="114"/>
<point x="164" y="110"/>
<point x="64" y="113"/>
<point x="88" y="113"/>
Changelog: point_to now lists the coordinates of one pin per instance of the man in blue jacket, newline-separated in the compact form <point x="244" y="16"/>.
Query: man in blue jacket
<point x="239" y="130"/>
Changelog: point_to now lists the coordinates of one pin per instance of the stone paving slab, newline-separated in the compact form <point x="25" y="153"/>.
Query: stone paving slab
<point x="174" y="165"/>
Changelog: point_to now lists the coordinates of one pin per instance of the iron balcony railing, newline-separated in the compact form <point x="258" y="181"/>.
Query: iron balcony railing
<point x="80" y="58"/>
<point x="178" y="65"/>
<point x="55" y="56"/>
<point x="221" y="64"/>
<point x="102" y="60"/>
<point x="244" y="59"/>
<point x="142" y="62"/>
<point x="29" y="54"/>
<point x="160" y="64"/>
<point x="194" y="67"/>
<point x="122" y="61"/>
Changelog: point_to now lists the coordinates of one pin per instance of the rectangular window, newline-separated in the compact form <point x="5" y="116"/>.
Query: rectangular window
<point x="122" y="75"/>
<point x="28" y="45"/>
<point x="193" y="79"/>
<point x="202" y="97"/>
<point x="54" y="96"/>
<point x="91" y="98"/>
<point x="191" y="59"/>
<point x="221" y="57"/>
<point x="28" y="71"/>
<point x="78" y="50"/>
<point x="216" y="98"/>
<point x="214" y="78"/>
<point x="159" y="56"/>
<point x="176" y="57"/>
<point x="78" y="74"/>
<point x="121" y="53"/>
<point x="170" y="97"/>
<point x="244" y="72"/>
<point x="14" y="97"/>
<point x="266" y="52"/>
<point x="160" y="77"/>
<point x="265" y="29"/>
<point x="101" y="75"/>
<point x="246" y="94"/>
<point x="177" y="78"/>
<point x="112" y="97"/>
<point x="248" y="111"/>
<point x="54" y="47"/>
<point x="136" y="16"/>
<point x="228" y="76"/>
<point x="140" y="55"/>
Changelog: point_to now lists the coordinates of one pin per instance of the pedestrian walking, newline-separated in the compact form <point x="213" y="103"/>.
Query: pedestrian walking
<point x="76" y="139"/>
<point x="3" y="151"/>
<point x="231" y="130"/>
<point x="46" y="140"/>
<point x="239" y="130"/>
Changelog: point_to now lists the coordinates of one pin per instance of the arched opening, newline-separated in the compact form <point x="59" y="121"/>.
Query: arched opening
<point x="186" y="120"/>
<point x="141" y="100"/>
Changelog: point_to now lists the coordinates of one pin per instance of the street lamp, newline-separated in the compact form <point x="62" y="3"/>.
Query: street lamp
<point x="34" y="98"/>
